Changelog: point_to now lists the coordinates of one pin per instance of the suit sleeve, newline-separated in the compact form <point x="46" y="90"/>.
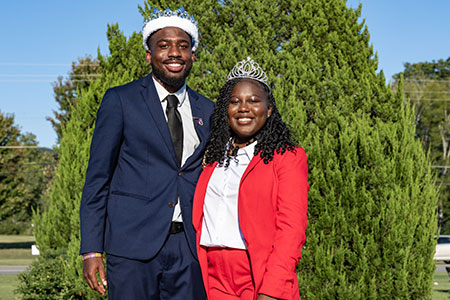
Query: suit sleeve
<point x="291" y="221"/>
<point x="102" y="162"/>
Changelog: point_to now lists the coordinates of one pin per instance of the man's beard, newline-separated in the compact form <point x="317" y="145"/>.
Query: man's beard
<point x="176" y="82"/>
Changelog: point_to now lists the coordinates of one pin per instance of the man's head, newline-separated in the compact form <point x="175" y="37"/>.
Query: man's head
<point x="170" y="39"/>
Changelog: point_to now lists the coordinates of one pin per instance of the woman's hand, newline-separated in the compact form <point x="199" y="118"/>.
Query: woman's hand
<point x="265" y="297"/>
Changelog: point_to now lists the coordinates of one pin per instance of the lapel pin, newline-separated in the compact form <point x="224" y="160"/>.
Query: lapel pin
<point x="198" y="120"/>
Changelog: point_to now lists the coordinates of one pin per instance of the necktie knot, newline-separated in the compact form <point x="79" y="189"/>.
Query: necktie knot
<point x="172" y="101"/>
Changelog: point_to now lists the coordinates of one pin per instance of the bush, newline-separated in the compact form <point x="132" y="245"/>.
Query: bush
<point x="46" y="279"/>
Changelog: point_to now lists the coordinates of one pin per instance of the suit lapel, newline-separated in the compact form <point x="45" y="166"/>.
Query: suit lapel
<point x="199" y="119"/>
<point x="253" y="163"/>
<point x="200" y="193"/>
<point x="153" y="103"/>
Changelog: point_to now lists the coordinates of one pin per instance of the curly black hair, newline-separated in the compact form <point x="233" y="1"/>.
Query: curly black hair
<point x="273" y="136"/>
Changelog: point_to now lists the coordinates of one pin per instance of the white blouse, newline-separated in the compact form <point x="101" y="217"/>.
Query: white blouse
<point x="220" y="226"/>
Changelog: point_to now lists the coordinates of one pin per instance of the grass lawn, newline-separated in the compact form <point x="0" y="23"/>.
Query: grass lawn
<point x="16" y="250"/>
<point x="16" y="238"/>
<point x="16" y="257"/>
<point x="441" y="290"/>
<point x="8" y="284"/>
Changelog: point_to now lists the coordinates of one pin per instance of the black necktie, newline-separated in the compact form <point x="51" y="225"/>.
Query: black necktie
<point x="175" y="126"/>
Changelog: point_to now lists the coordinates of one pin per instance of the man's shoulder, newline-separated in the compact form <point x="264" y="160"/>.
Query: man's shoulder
<point x="132" y="86"/>
<point x="202" y="98"/>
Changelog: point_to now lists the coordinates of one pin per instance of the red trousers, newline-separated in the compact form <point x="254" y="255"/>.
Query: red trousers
<point x="229" y="275"/>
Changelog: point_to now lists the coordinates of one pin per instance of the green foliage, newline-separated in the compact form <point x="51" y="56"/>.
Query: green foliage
<point x="437" y="70"/>
<point x="372" y="216"/>
<point x="45" y="280"/>
<point x="24" y="175"/>
<point x="66" y="91"/>
<point x="427" y="87"/>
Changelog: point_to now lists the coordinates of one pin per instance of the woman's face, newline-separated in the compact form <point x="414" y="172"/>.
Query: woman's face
<point x="248" y="110"/>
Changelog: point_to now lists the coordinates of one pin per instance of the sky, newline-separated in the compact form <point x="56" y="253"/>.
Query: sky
<point x="40" y="39"/>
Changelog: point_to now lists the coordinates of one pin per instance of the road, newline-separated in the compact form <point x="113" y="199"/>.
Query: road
<point x="12" y="269"/>
<point x="441" y="268"/>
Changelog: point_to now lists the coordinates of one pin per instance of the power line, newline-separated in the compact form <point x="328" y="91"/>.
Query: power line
<point x="431" y="100"/>
<point x="26" y="164"/>
<point x="426" y="80"/>
<point x="22" y="172"/>
<point x="45" y="64"/>
<point x="37" y="80"/>
<point x="49" y="75"/>
<point x="426" y="92"/>
<point x="22" y="147"/>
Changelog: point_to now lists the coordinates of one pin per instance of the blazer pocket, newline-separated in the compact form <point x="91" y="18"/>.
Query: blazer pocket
<point x="130" y="195"/>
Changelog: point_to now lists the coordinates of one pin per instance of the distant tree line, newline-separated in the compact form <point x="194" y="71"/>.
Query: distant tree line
<point x="25" y="172"/>
<point x="427" y="86"/>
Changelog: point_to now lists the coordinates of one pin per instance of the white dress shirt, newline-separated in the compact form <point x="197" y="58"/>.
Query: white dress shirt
<point x="190" y="137"/>
<point x="220" y="227"/>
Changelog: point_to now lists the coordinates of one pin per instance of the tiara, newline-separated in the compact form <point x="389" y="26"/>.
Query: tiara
<point x="248" y="68"/>
<point x="159" y="19"/>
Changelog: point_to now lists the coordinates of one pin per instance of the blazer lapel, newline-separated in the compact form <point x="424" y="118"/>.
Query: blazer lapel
<point x="153" y="103"/>
<point x="200" y="193"/>
<point x="253" y="163"/>
<point x="199" y="119"/>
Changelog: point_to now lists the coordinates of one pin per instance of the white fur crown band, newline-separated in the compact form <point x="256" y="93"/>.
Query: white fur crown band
<point x="168" y="18"/>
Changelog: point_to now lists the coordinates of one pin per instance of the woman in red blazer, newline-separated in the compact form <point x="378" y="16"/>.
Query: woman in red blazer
<point x="250" y="203"/>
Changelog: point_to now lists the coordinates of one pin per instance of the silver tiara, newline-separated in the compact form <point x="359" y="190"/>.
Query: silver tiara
<point x="248" y="68"/>
<point x="180" y="12"/>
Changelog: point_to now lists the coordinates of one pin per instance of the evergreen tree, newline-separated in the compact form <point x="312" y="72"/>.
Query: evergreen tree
<point x="427" y="87"/>
<point x="372" y="200"/>
<point x="24" y="175"/>
<point x="66" y="90"/>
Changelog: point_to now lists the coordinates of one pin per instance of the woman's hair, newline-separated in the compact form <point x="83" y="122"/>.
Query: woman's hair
<point x="273" y="136"/>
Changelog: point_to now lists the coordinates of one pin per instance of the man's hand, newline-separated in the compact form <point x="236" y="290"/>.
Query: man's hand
<point x="91" y="267"/>
<point x="265" y="297"/>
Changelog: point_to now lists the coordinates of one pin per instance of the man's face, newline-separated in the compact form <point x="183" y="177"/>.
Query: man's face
<point x="170" y="56"/>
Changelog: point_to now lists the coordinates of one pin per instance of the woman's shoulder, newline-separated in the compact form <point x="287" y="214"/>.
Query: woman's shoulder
<point x="294" y="156"/>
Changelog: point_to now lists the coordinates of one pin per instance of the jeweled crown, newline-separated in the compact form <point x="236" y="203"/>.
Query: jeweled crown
<point x="176" y="18"/>
<point x="248" y="68"/>
<point x="180" y="12"/>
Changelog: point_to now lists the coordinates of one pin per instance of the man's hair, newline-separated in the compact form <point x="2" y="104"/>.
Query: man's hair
<point x="273" y="136"/>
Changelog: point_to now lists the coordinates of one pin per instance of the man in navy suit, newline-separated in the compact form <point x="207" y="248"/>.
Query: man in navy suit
<point x="145" y="159"/>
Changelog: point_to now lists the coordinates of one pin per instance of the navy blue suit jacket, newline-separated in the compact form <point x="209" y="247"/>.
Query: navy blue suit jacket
<point x="133" y="173"/>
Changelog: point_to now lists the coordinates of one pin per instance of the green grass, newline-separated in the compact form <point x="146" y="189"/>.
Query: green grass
<point x="441" y="291"/>
<point x="8" y="284"/>
<point x="16" y="257"/>
<point x="16" y="238"/>
<point x="16" y="250"/>
<point x="16" y="241"/>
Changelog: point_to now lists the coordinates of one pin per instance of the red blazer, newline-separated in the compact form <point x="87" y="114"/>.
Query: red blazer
<point x="273" y="201"/>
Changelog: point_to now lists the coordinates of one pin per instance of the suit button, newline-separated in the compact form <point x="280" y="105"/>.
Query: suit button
<point x="181" y="173"/>
<point x="171" y="204"/>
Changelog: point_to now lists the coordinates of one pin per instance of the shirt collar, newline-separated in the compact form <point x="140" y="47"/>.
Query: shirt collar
<point x="247" y="151"/>
<point x="163" y="93"/>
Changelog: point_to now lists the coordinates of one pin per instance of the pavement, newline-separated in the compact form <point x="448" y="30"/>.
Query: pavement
<point x="442" y="268"/>
<point x="12" y="269"/>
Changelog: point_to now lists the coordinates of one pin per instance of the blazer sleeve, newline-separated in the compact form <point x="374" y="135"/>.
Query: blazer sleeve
<point x="102" y="162"/>
<point x="291" y="221"/>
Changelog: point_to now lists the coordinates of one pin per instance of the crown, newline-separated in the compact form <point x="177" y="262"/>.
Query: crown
<point x="159" y="19"/>
<point x="248" y="68"/>
<point x="180" y="12"/>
